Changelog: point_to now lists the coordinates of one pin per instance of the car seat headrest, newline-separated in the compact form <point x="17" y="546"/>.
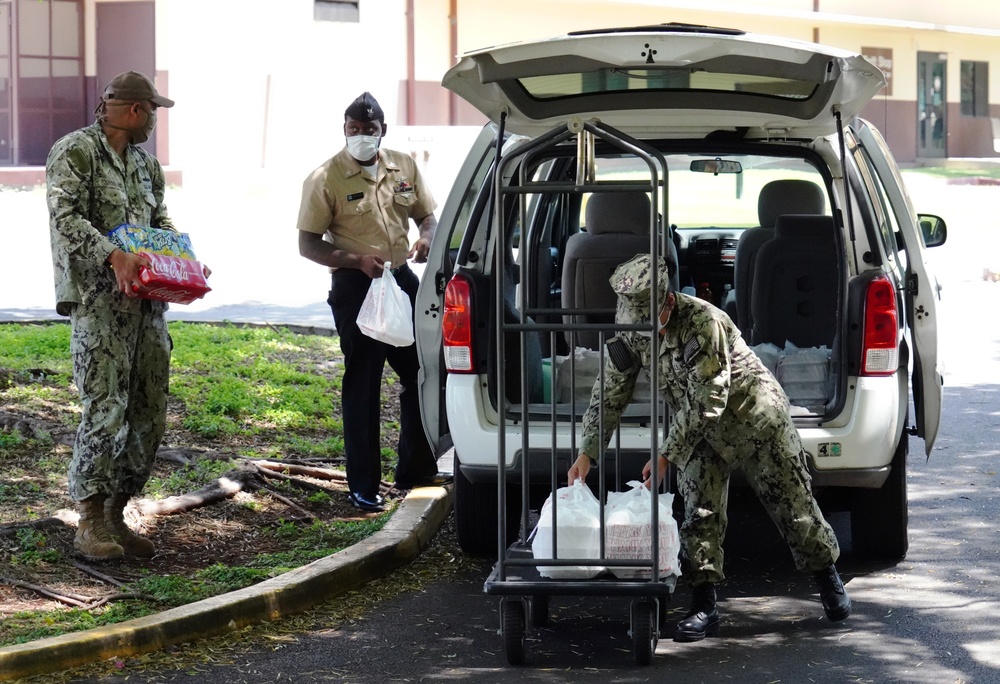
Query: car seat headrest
<point x="788" y="196"/>
<point x="618" y="212"/>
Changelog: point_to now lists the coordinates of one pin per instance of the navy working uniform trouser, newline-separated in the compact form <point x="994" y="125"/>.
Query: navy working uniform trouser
<point x="121" y="367"/>
<point x="364" y="360"/>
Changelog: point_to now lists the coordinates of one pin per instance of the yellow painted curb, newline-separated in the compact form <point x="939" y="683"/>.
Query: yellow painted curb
<point x="403" y="537"/>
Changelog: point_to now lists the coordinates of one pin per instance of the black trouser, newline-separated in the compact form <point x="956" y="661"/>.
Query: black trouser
<point x="364" y="360"/>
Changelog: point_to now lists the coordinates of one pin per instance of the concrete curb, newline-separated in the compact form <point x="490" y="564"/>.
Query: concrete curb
<point x="405" y="535"/>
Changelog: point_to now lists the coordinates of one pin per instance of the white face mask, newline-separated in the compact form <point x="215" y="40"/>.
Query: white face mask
<point x="363" y="147"/>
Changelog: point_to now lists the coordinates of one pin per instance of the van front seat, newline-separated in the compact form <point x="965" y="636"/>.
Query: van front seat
<point x="617" y="228"/>
<point x="787" y="196"/>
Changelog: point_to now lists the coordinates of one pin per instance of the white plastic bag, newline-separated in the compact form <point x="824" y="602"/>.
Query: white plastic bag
<point x="804" y="374"/>
<point x="578" y="518"/>
<point x="628" y="531"/>
<point x="386" y="314"/>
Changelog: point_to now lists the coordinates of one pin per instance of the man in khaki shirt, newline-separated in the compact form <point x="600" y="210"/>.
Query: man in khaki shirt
<point x="354" y="218"/>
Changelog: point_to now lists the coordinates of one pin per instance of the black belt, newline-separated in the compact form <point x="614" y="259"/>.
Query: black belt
<point x="394" y="271"/>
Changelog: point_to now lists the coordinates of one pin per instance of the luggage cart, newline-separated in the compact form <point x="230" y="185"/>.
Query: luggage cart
<point x="548" y="430"/>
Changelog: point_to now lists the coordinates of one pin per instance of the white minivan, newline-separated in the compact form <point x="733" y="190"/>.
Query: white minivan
<point x="743" y="158"/>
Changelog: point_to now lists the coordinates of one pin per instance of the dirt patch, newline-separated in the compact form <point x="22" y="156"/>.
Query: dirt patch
<point x="40" y="576"/>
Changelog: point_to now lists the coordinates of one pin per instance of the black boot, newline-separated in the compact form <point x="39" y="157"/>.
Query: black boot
<point x="703" y="620"/>
<point x="836" y="602"/>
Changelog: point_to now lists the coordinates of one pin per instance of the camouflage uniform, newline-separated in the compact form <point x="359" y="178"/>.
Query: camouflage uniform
<point x="120" y="345"/>
<point x="728" y="412"/>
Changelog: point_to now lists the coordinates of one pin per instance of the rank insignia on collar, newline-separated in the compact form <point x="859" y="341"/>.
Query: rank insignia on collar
<point x="402" y="185"/>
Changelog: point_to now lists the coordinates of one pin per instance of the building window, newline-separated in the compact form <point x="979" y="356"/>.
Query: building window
<point x="46" y="75"/>
<point x="335" y="10"/>
<point x="975" y="89"/>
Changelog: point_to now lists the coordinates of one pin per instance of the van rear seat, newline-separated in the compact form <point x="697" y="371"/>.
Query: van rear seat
<point x="796" y="283"/>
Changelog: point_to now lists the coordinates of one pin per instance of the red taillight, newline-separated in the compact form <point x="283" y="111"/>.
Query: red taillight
<point x="880" y="353"/>
<point x="456" y="326"/>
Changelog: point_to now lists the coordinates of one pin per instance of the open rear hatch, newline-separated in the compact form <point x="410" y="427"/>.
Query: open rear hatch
<point x="706" y="79"/>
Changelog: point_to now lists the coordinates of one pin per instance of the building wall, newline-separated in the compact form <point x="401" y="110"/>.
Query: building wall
<point x="903" y="27"/>
<point x="261" y="86"/>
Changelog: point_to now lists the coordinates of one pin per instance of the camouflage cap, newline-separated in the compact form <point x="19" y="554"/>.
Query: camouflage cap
<point x="632" y="281"/>
<point x="133" y="86"/>
<point x="365" y="108"/>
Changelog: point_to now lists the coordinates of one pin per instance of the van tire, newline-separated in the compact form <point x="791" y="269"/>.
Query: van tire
<point x="476" y="515"/>
<point x="880" y="517"/>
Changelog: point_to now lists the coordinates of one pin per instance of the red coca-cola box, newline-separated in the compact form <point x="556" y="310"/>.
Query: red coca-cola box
<point x="171" y="279"/>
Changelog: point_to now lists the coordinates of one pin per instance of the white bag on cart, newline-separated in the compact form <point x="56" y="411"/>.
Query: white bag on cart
<point x="628" y="520"/>
<point x="578" y="518"/>
<point x="386" y="314"/>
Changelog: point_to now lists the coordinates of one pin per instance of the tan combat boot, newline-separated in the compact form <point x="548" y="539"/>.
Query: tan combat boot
<point x="92" y="540"/>
<point x="131" y="543"/>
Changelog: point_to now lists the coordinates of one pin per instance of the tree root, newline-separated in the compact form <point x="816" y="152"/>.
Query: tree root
<point x="225" y="487"/>
<point x="39" y="525"/>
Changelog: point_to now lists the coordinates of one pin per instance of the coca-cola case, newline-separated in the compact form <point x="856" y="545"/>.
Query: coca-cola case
<point x="171" y="279"/>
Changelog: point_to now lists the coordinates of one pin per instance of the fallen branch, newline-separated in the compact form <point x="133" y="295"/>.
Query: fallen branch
<point x="309" y="471"/>
<point x="174" y="456"/>
<point x="288" y="502"/>
<point x="305" y="470"/>
<point x="121" y="597"/>
<point x="87" y="570"/>
<point x="77" y="600"/>
<point x="281" y="461"/>
<point x="225" y="487"/>
<point x="308" y="486"/>
<point x="39" y="525"/>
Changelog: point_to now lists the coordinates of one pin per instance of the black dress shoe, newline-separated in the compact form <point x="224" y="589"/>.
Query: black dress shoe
<point x="703" y="620"/>
<point x="836" y="602"/>
<point x="375" y="504"/>
<point x="437" y="480"/>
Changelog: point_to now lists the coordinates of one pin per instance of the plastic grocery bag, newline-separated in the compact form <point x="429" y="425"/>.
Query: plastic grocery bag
<point x="386" y="314"/>
<point x="578" y="518"/>
<point x="628" y="519"/>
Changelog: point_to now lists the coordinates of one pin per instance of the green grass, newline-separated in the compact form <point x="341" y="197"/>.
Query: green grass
<point x="240" y="381"/>
<point x="233" y="381"/>
<point x="252" y="392"/>
<point x="32" y="626"/>
<point x="949" y="172"/>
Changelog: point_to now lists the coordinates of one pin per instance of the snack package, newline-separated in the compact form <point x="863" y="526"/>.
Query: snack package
<point x="171" y="279"/>
<point x="132" y="238"/>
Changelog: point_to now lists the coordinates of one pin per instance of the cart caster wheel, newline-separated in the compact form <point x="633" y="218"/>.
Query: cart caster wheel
<point x="538" y="610"/>
<point x="512" y="630"/>
<point x="644" y="632"/>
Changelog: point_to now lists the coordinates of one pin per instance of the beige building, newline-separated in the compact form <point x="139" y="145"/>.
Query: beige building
<point x="262" y="85"/>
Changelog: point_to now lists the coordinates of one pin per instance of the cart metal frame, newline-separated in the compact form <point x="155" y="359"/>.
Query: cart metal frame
<point x="515" y="577"/>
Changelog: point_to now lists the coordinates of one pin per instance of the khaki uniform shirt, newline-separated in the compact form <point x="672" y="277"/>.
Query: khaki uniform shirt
<point x="91" y="191"/>
<point x="718" y="389"/>
<point x="363" y="216"/>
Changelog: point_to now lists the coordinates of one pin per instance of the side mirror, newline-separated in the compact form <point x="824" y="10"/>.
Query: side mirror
<point x="933" y="229"/>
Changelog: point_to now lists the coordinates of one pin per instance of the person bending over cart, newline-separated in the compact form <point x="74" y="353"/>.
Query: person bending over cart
<point x="728" y="412"/>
